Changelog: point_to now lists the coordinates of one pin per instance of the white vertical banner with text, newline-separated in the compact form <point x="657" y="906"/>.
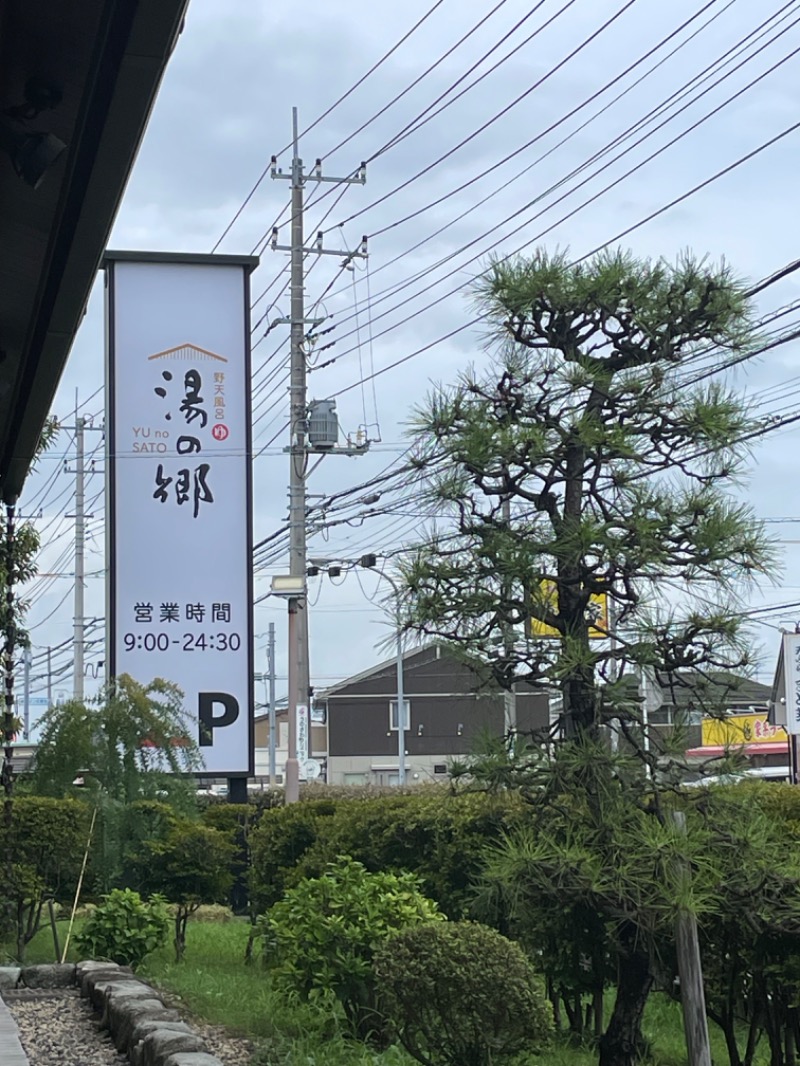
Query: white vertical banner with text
<point x="179" y="489"/>
<point x="302" y="739"/>
<point x="791" y="666"/>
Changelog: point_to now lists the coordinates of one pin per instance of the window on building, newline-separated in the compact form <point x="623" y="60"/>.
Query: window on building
<point x="393" y="715"/>
<point x="354" y="779"/>
<point x="440" y="768"/>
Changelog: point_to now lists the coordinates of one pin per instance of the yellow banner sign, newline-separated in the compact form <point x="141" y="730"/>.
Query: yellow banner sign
<point x="741" y="729"/>
<point x="545" y="599"/>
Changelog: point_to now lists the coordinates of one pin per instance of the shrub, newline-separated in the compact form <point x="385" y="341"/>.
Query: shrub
<point x="320" y="939"/>
<point x="124" y="928"/>
<point x="189" y="866"/>
<point x="460" y="994"/>
<point x="439" y="836"/>
<point x="279" y="841"/>
<point x="46" y="842"/>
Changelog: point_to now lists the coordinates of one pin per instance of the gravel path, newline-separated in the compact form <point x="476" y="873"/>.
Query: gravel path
<point x="60" y="1029"/>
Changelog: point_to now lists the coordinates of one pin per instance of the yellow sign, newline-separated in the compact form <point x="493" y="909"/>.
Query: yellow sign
<point x="546" y="599"/>
<point x="741" y="729"/>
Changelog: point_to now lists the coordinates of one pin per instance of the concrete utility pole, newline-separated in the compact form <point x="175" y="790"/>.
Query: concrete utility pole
<point x="79" y="621"/>
<point x="26" y="704"/>
<point x="80" y="516"/>
<point x="299" y="668"/>
<point x="510" y="695"/>
<point x="271" y="698"/>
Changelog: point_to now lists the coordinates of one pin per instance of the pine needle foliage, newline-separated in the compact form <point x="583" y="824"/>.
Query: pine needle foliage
<point x="595" y="458"/>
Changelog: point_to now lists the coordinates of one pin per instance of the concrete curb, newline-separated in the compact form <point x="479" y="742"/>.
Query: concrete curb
<point x="140" y="1024"/>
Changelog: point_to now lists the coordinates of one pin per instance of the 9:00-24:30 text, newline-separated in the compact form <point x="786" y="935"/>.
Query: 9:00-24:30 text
<point x="187" y="642"/>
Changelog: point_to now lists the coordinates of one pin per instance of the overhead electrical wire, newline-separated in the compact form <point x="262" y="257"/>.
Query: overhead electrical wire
<point x="375" y="374"/>
<point x="584" y="103"/>
<point x="650" y="52"/>
<point x="448" y="294"/>
<point x="643" y="221"/>
<point x="420" y="77"/>
<point x="406" y="502"/>
<point x="375" y="66"/>
<point x="571" y="213"/>
<point x="500" y="114"/>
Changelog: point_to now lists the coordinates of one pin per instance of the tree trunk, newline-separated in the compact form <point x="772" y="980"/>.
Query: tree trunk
<point x="790" y="1051"/>
<point x="251" y="939"/>
<point x="753" y="1036"/>
<point x="622" y="1042"/>
<point x="728" y="1026"/>
<point x="574" y="1017"/>
<point x="598" y="1010"/>
<point x="181" y="919"/>
<point x="772" y="1027"/>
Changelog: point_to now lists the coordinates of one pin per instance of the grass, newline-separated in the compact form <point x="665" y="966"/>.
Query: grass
<point x="214" y="984"/>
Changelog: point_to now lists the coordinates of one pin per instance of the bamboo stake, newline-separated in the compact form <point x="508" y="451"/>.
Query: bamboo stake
<point x="80" y="885"/>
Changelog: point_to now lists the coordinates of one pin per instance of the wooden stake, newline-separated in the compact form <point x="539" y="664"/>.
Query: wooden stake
<point x="690" y="971"/>
<point x="80" y="886"/>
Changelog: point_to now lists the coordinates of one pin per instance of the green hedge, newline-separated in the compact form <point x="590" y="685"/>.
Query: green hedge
<point x="432" y="833"/>
<point x="46" y="843"/>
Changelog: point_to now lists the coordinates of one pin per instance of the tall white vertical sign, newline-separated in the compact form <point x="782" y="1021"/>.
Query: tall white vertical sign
<point x="791" y="666"/>
<point x="302" y="739"/>
<point x="179" y="489"/>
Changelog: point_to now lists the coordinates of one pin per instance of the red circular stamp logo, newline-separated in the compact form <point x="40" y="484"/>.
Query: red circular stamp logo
<point x="220" y="431"/>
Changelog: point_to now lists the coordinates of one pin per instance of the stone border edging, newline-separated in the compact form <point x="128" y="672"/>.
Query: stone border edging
<point x="141" y="1026"/>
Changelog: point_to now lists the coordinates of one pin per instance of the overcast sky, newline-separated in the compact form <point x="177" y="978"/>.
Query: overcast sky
<point x="225" y="108"/>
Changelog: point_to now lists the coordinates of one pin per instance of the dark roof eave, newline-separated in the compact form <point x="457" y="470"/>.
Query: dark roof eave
<point x="129" y="64"/>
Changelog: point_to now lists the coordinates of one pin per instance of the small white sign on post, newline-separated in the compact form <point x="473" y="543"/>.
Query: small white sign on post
<point x="791" y="666"/>
<point x="302" y="738"/>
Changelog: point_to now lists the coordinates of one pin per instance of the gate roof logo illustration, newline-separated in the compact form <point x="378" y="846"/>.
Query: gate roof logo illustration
<point x="188" y="351"/>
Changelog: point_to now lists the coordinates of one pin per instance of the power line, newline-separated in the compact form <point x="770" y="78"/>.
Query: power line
<point x="375" y="66"/>
<point x="399" y="96"/>
<point x="490" y="122"/>
<point x="623" y="233"/>
<point x="565" y="217"/>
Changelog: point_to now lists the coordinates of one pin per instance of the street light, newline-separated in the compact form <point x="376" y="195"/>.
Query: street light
<point x="293" y="588"/>
<point x="368" y="561"/>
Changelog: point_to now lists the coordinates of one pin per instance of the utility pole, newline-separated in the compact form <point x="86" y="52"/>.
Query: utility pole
<point x="80" y="516"/>
<point x="80" y="574"/>
<point x="271" y="698"/>
<point x="26" y="694"/>
<point x="510" y="695"/>
<point x="49" y="679"/>
<point x="299" y="668"/>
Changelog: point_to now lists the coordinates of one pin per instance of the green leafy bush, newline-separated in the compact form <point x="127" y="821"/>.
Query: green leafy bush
<point x="460" y="994"/>
<point x="277" y="844"/>
<point x="46" y="842"/>
<point x="124" y="928"/>
<point x="320" y="939"/>
<point x="235" y="821"/>
<point x="189" y="866"/>
<point x="439" y="836"/>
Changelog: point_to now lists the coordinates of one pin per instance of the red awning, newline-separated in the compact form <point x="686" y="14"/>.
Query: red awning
<point x="780" y="747"/>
